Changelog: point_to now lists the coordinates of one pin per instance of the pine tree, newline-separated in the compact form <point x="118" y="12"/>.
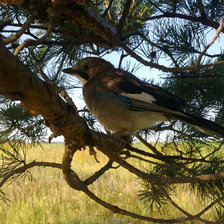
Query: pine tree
<point x="39" y="38"/>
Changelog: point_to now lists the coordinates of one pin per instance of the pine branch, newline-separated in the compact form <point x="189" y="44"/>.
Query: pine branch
<point x="99" y="173"/>
<point x="26" y="167"/>
<point x="76" y="183"/>
<point x="107" y="11"/>
<point x="206" y="22"/>
<point x="211" y="42"/>
<point x="35" y="42"/>
<point x="20" y="32"/>
<point x="125" y="13"/>
<point x="201" y="8"/>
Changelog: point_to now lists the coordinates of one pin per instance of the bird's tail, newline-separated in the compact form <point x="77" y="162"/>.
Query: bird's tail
<point x="203" y="125"/>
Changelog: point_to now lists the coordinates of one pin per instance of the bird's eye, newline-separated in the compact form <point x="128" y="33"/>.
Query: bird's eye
<point x="86" y="67"/>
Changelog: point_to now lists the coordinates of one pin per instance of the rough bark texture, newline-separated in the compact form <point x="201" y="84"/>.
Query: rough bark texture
<point x="39" y="97"/>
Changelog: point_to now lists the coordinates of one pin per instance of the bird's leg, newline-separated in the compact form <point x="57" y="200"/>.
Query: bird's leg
<point x="123" y="135"/>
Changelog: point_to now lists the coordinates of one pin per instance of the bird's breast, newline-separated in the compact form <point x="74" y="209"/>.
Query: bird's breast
<point x="112" y="111"/>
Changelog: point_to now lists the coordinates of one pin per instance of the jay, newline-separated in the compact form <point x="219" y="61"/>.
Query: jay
<point x="124" y="104"/>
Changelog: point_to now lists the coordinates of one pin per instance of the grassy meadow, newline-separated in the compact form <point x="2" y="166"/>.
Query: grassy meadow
<point x="47" y="199"/>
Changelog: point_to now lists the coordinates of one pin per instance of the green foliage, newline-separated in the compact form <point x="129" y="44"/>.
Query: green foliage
<point x="171" y="33"/>
<point x="19" y="126"/>
<point x="154" y="197"/>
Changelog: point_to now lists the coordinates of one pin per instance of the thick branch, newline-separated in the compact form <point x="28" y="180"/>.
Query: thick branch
<point x="18" y="83"/>
<point x="39" y="97"/>
<point x="121" y="23"/>
<point x="84" y="16"/>
<point x="76" y="183"/>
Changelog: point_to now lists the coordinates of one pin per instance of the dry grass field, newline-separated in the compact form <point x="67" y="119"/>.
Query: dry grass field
<point x="47" y="199"/>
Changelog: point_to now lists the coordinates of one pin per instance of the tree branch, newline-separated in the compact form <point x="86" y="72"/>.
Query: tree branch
<point x="164" y="68"/>
<point x="107" y="11"/>
<point x="28" y="166"/>
<point x="201" y="8"/>
<point x="35" y="42"/>
<point x="210" y="44"/>
<point x="76" y="183"/>
<point x="99" y="173"/>
<point x="125" y="13"/>
<point x="202" y="20"/>
<point x="84" y="16"/>
<point x="20" y="32"/>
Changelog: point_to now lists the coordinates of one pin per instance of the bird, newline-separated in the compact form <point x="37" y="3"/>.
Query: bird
<point x="124" y="104"/>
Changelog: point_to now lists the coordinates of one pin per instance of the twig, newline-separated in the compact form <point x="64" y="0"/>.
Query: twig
<point x="164" y="68"/>
<point x="107" y="9"/>
<point x="148" y="145"/>
<point x="60" y="67"/>
<point x="162" y="49"/>
<point x="35" y="42"/>
<point x="28" y="166"/>
<point x="20" y="32"/>
<point x="121" y="59"/>
<point x="191" y="217"/>
<point x="157" y="7"/>
<point x="125" y="13"/>
<point x="118" y="210"/>
<point x="99" y="173"/>
<point x="201" y="8"/>
<point x="210" y="44"/>
<point x="38" y="61"/>
<point x="206" y="22"/>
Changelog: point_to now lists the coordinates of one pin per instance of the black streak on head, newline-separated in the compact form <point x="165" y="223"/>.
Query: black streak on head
<point x="73" y="71"/>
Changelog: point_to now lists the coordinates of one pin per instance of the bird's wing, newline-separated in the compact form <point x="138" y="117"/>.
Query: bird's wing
<point x="146" y="96"/>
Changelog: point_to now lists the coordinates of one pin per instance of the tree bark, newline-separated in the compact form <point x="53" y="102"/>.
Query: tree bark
<point x="17" y="82"/>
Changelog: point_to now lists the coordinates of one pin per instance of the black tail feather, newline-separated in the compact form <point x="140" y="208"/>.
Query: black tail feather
<point x="203" y="125"/>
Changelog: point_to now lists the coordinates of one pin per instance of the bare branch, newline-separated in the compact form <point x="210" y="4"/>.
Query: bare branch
<point x="36" y="42"/>
<point x="99" y="173"/>
<point x="28" y="166"/>
<point x="205" y="22"/>
<point x="20" y="32"/>
<point x="107" y="11"/>
<point x="201" y="8"/>
<point x="210" y="44"/>
<point x="125" y="13"/>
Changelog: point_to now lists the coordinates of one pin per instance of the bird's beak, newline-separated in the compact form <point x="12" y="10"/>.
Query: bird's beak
<point x="75" y="72"/>
<point x="70" y="71"/>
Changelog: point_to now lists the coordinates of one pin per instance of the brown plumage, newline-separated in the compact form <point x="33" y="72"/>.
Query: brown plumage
<point x="123" y="103"/>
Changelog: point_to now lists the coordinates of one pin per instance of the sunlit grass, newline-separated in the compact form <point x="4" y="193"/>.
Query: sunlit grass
<point x="49" y="200"/>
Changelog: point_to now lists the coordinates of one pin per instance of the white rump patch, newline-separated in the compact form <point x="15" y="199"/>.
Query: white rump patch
<point x="144" y="97"/>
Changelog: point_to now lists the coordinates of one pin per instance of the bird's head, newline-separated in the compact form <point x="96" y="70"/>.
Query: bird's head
<point x="88" y="67"/>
